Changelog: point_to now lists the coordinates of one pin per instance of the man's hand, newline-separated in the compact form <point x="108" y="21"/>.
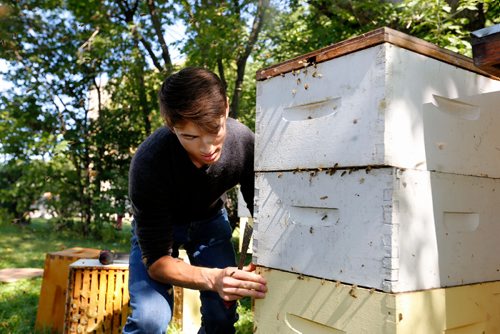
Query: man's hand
<point x="232" y="283"/>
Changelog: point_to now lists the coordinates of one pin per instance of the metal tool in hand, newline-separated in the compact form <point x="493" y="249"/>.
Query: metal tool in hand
<point x="247" y="235"/>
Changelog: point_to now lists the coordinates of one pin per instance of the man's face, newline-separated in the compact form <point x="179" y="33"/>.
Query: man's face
<point x="203" y="148"/>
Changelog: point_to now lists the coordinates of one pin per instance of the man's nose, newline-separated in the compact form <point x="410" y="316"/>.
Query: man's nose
<point x="207" y="144"/>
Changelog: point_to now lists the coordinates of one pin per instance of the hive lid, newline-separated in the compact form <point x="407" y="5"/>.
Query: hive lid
<point x="95" y="264"/>
<point x="486" y="31"/>
<point x="369" y="39"/>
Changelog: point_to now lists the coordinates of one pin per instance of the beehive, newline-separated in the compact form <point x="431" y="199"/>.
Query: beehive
<point x="380" y="154"/>
<point x="377" y="172"/>
<point x="384" y="228"/>
<point x="300" y="304"/>
<point x="50" y="313"/>
<point x="97" y="299"/>
<point x="383" y="99"/>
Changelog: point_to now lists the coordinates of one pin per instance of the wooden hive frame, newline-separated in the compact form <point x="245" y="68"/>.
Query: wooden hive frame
<point x="97" y="299"/>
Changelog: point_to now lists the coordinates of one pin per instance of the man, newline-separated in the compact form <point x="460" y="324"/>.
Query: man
<point x="177" y="184"/>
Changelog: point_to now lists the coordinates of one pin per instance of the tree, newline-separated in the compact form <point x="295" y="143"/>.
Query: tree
<point x="59" y="52"/>
<point x="447" y="23"/>
<point x="307" y="25"/>
<point x="86" y="76"/>
<point x="220" y="37"/>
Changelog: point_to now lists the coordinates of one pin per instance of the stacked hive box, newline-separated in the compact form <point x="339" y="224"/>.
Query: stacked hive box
<point x="50" y="313"/>
<point x="98" y="299"/>
<point x="378" y="167"/>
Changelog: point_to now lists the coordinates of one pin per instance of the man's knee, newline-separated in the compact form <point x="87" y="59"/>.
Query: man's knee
<point x="151" y="313"/>
<point x="147" y="320"/>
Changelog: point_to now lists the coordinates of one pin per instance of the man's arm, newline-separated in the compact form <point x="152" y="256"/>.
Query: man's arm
<point x="230" y="283"/>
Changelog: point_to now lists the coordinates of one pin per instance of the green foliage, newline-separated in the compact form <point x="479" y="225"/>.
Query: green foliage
<point x="59" y="54"/>
<point x="301" y="26"/>
<point x="447" y="23"/>
<point x="305" y="26"/>
<point x="85" y="79"/>
<point x="21" y="186"/>
<point x="245" y="321"/>
<point x="213" y="30"/>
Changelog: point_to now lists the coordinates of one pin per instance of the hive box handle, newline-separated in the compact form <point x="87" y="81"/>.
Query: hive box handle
<point x="312" y="110"/>
<point x="457" y="108"/>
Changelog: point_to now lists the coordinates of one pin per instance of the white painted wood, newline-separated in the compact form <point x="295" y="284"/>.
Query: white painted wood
<point x="390" y="229"/>
<point x="242" y="205"/>
<point x="380" y="106"/>
<point x="307" y="305"/>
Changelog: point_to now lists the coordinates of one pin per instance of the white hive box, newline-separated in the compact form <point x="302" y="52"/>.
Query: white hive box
<point x="390" y="229"/>
<point x="301" y="304"/>
<point x="384" y="98"/>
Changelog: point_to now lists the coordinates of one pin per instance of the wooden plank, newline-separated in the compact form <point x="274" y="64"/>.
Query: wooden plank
<point x="92" y="310"/>
<point x="178" y="306"/>
<point x="100" y="293"/>
<point x="78" y="253"/>
<point x="369" y="227"/>
<point x="108" y="321"/>
<point x="84" y="299"/>
<point x="126" y="299"/>
<point x="102" y="297"/>
<point x="117" y="299"/>
<point x="78" y="279"/>
<point x="372" y="38"/>
<point x="71" y="306"/>
<point x="101" y="305"/>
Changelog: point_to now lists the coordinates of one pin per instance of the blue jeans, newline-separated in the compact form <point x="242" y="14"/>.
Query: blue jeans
<point x="208" y="244"/>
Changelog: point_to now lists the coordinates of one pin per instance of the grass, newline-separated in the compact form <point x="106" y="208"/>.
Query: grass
<point x="27" y="246"/>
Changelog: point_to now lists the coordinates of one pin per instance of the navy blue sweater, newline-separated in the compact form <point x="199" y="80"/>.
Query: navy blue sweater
<point x="166" y="188"/>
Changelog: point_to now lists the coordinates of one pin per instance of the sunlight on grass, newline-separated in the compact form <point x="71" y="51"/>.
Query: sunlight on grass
<point x="27" y="246"/>
<point x="18" y="305"/>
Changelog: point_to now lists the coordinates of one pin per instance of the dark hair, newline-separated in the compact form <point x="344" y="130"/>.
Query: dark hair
<point x="193" y="94"/>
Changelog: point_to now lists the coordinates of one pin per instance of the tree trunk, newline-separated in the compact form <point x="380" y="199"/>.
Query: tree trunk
<point x="141" y="90"/>
<point x="241" y="62"/>
<point x="159" y="34"/>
